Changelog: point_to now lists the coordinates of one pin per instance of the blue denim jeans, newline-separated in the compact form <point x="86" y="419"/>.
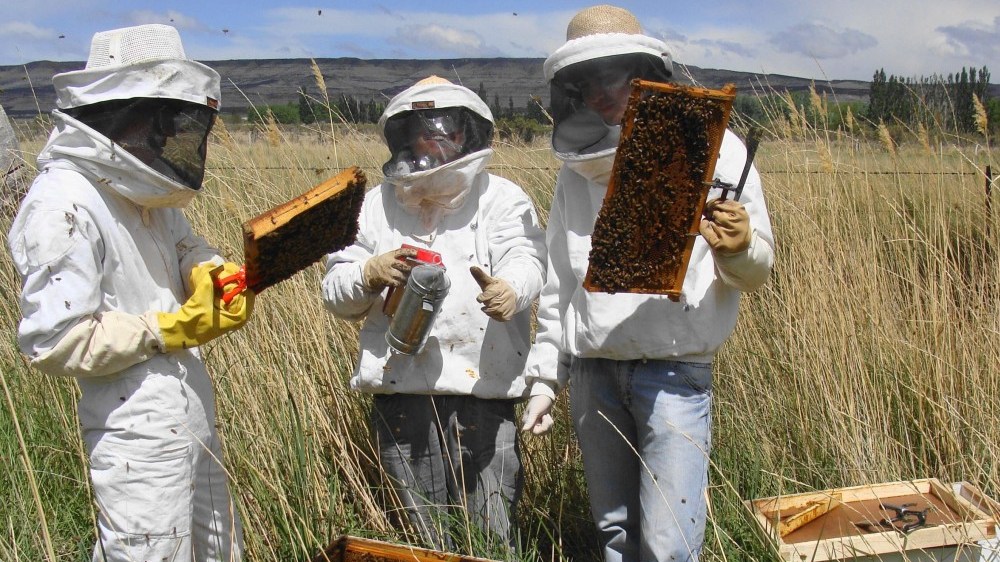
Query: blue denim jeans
<point x="644" y="429"/>
<point x="453" y="461"/>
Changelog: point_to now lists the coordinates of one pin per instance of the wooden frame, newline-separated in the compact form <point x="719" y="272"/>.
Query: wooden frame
<point x="288" y="238"/>
<point x="645" y="230"/>
<point x="952" y="521"/>
<point x="354" y="549"/>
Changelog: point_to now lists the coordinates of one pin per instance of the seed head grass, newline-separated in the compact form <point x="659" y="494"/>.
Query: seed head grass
<point x="869" y="356"/>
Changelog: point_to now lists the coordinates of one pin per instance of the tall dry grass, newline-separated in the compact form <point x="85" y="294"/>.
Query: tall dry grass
<point x="869" y="356"/>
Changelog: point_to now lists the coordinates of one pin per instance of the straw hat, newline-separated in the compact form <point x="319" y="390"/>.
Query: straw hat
<point x="603" y="18"/>
<point x="432" y="79"/>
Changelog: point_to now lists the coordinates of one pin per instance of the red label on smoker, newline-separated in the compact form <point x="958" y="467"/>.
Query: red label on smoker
<point x="424" y="255"/>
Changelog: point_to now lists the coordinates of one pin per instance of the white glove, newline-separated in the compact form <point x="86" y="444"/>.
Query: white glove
<point x="536" y="416"/>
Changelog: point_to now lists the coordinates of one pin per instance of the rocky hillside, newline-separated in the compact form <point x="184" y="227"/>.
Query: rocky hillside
<point x="27" y="89"/>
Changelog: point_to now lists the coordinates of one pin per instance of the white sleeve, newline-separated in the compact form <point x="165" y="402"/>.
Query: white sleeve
<point x="546" y="362"/>
<point x="344" y="293"/>
<point x="517" y="248"/>
<point x="57" y="250"/>
<point x="748" y="270"/>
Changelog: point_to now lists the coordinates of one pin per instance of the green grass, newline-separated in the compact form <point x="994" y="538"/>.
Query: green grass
<point x="870" y="356"/>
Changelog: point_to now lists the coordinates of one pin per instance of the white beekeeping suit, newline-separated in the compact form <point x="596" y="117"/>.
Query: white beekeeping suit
<point x="12" y="184"/>
<point x="444" y="416"/>
<point x="118" y="292"/>
<point x="638" y="366"/>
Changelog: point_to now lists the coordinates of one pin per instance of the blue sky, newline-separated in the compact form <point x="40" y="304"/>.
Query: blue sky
<point x="849" y="39"/>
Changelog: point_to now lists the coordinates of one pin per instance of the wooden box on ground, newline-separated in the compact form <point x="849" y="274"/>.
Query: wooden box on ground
<point x="354" y="549"/>
<point x="989" y="548"/>
<point x="844" y="524"/>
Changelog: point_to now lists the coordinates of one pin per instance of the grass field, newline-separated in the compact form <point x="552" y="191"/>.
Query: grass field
<point x="870" y="356"/>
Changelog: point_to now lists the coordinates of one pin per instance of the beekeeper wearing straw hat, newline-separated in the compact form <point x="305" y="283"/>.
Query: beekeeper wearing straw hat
<point x="639" y="366"/>
<point x="117" y="291"/>
<point x="444" y="416"/>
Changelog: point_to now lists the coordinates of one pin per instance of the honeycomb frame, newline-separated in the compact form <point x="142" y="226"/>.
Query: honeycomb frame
<point x="663" y="168"/>
<point x="295" y="234"/>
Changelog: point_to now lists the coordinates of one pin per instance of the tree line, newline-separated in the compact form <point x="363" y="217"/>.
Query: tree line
<point x="510" y="121"/>
<point x="945" y="103"/>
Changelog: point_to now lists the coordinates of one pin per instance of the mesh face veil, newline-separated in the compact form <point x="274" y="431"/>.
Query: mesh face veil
<point x="589" y="97"/>
<point x="168" y="135"/>
<point x="428" y="138"/>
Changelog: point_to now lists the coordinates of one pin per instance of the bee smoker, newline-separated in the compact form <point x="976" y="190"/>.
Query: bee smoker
<point x="418" y="307"/>
<point x="392" y="296"/>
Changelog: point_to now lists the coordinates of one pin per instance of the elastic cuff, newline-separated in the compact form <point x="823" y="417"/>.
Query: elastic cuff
<point x="543" y="388"/>
<point x="152" y="321"/>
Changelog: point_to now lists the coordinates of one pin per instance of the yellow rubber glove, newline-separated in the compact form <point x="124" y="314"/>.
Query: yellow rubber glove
<point x="204" y="316"/>
<point x="390" y="269"/>
<point x="498" y="297"/>
<point x="726" y="226"/>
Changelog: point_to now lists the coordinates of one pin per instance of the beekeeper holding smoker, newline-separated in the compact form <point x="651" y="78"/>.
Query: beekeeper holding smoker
<point x="118" y="292"/>
<point x="445" y="368"/>
<point x="639" y="366"/>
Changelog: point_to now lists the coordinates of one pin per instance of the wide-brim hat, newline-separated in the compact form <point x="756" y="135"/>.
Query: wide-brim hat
<point x="602" y="31"/>
<point x="144" y="61"/>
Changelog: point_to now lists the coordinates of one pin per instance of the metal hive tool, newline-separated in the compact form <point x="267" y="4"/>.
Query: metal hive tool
<point x="662" y="172"/>
<point x="290" y="237"/>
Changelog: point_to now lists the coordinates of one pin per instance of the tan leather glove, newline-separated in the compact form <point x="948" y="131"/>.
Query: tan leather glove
<point x="726" y="226"/>
<point x="537" y="417"/>
<point x="387" y="270"/>
<point x="498" y="297"/>
<point x="204" y="316"/>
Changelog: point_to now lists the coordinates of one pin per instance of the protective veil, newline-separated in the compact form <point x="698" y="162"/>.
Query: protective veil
<point x="102" y="248"/>
<point x="597" y="66"/>
<point x="438" y="135"/>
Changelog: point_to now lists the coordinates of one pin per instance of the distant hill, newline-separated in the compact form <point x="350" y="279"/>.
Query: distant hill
<point x="27" y="89"/>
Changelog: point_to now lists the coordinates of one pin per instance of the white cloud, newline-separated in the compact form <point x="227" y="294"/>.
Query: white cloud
<point x="13" y="31"/>
<point x="820" y="41"/>
<point x="972" y="38"/>
<point x="448" y="41"/>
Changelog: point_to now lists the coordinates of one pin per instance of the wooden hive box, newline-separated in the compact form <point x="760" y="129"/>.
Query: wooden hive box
<point x="954" y="525"/>
<point x="355" y="549"/>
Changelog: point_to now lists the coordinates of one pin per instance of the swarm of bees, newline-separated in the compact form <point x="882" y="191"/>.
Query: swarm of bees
<point x="645" y="230"/>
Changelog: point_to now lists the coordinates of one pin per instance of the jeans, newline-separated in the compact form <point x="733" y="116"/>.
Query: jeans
<point x="454" y="462"/>
<point x="644" y="428"/>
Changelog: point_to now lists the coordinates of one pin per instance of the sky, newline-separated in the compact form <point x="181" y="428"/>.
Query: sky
<point x="830" y="40"/>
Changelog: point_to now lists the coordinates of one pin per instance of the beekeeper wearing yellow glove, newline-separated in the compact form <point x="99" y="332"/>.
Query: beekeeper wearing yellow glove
<point x="117" y="291"/>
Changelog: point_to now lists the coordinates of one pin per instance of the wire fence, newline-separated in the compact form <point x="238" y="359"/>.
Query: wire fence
<point x="556" y="169"/>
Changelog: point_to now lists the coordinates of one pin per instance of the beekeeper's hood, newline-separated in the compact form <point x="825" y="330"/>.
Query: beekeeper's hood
<point x="439" y="137"/>
<point x="138" y="92"/>
<point x="590" y="77"/>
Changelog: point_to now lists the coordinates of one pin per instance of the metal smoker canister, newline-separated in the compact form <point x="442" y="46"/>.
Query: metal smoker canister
<point x="419" y="306"/>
